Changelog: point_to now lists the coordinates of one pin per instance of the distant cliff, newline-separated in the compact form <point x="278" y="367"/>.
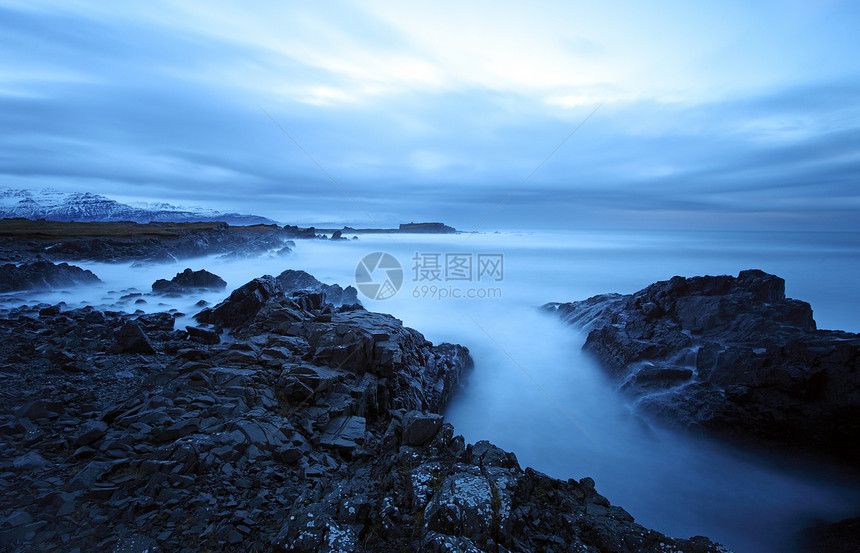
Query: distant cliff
<point x="427" y="228"/>
<point x="53" y="205"/>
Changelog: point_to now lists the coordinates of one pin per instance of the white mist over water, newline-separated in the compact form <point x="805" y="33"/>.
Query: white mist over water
<point x="533" y="391"/>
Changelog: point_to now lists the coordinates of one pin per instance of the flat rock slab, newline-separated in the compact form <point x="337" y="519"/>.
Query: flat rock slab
<point x="345" y="432"/>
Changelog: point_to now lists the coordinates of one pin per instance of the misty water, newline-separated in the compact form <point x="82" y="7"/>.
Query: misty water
<point x="534" y="392"/>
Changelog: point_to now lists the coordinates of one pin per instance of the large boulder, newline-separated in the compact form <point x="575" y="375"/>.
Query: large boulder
<point x="299" y="281"/>
<point x="132" y="339"/>
<point x="731" y="355"/>
<point x="243" y="303"/>
<point x="42" y="275"/>
<point x="189" y="281"/>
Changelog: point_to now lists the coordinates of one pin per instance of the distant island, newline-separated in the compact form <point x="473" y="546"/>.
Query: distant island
<point x="405" y="228"/>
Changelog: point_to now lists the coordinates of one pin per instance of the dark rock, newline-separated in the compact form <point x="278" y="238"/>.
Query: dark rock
<point x="30" y="461"/>
<point x="131" y="339"/>
<point x="345" y="432"/>
<point x="90" y="432"/>
<point x="15" y="519"/>
<point x="297" y="232"/>
<point x="732" y="355"/>
<point x="243" y="303"/>
<point x="295" y="281"/>
<point x="419" y="428"/>
<point x="88" y="475"/>
<point x="35" y="409"/>
<point x="203" y="335"/>
<point x="136" y="543"/>
<point x="155" y="322"/>
<point x="189" y="281"/>
<point x="49" y="311"/>
<point x="839" y="537"/>
<point x="43" y="274"/>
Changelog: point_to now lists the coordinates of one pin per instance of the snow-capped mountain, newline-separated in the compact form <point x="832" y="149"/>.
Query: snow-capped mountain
<point x="84" y="206"/>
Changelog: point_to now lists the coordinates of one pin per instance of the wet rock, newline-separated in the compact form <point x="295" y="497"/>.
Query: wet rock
<point x="88" y="475"/>
<point x="242" y="304"/>
<point x="419" y="428"/>
<point x="295" y="281"/>
<point x="36" y="409"/>
<point x="90" y="432"/>
<point x="203" y="335"/>
<point x="463" y="505"/>
<point x="345" y="433"/>
<point x="43" y="274"/>
<point x="156" y="322"/>
<point x="132" y="339"/>
<point x="731" y="355"/>
<point x="189" y="281"/>
<point x="30" y="461"/>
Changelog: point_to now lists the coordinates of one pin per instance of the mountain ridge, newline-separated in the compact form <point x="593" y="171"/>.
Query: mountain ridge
<point x="54" y="205"/>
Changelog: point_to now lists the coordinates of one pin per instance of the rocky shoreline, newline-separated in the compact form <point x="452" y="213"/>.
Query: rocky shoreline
<point x="732" y="356"/>
<point x="282" y="423"/>
<point x="23" y="240"/>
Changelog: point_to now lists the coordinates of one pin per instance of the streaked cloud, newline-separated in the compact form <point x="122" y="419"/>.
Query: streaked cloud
<point x="722" y="115"/>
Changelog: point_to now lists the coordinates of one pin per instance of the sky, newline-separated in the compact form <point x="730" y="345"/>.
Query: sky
<point x="485" y="115"/>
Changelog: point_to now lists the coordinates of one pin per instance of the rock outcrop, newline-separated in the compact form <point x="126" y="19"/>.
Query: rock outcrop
<point x="731" y="355"/>
<point x="309" y="430"/>
<point x="43" y="275"/>
<point x="189" y="281"/>
<point x="300" y="281"/>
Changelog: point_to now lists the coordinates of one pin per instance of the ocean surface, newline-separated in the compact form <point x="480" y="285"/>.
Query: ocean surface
<point x="535" y="393"/>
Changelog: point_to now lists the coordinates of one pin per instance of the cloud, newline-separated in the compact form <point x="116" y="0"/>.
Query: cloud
<point x="440" y="111"/>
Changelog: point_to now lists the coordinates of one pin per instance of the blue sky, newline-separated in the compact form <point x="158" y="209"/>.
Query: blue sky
<point x="722" y="115"/>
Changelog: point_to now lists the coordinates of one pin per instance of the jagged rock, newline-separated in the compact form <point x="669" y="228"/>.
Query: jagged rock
<point x="90" y="432"/>
<point x="419" y="428"/>
<point x="35" y="409"/>
<point x="30" y="461"/>
<point x="43" y="274"/>
<point x="462" y="506"/>
<point x="131" y="339"/>
<point x="296" y="281"/>
<point x="345" y="433"/>
<point x="189" y="281"/>
<point x="731" y="355"/>
<point x="203" y="335"/>
<point x="88" y="475"/>
<point x="154" y="322"/>
<point x="243" y="303"/>
<point x="297" y="232"/>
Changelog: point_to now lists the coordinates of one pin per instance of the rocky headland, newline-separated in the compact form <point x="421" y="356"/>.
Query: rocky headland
<point x="189" y="281"/>
<point x="732" y="356"/>
<point x="42" y="275"/>
<point x="23" y="240"/>
<point x="279" y="423"/>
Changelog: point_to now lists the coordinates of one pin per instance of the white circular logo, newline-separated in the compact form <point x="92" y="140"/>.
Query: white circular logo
<point x="378" y="275"/>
